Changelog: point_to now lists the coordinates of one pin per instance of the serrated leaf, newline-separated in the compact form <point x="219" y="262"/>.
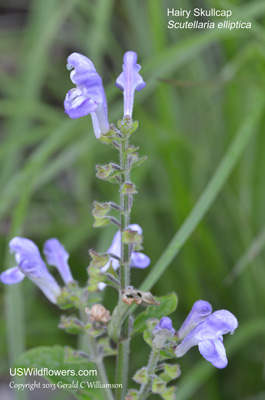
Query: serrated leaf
<point x="53" y="359"/>
<point x="168" y="304"/>
<point x="141" y="376"/>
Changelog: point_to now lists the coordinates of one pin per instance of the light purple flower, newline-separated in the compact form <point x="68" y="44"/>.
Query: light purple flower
<point x="162" y="331"/>
<point x="208" y="335"/>
<point x="138" y="260"/>
<point x="200" y="310"/>
<point x="130" y="80"/>
<point x="30" y="264"/>
<point x="57" y="256"/>
<point x="88" y="97"/>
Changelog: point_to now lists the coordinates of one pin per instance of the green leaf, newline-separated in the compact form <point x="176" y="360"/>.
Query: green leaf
<point x="67" y="373"/>
<point x="168" y="304"/>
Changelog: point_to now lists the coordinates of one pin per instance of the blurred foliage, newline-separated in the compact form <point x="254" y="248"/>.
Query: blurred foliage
<point x="200" y="87"/>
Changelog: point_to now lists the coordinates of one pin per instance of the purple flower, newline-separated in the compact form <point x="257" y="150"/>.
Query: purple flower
<point x="208" y="335"/>
<point x="130" y="80"/>
<point x="162" y="331"/>
<point x="88" y="97"/>
<point x="200" y="310"/>
<point x="138" y="260"/>
<point x="30" y="264"/>
<point x="57" y="256"/>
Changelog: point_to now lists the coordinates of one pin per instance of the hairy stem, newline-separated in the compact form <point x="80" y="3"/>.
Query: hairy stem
<point x="150" y="371"/>
<point x="124" y="344"/>
<point x="89" y="343"/>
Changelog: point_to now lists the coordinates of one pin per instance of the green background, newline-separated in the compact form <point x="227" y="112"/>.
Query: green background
<point x="203" y="89"/>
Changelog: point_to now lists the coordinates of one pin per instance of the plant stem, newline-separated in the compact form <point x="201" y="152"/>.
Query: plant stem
<point x="124" y="344"/>
<point x="89" y="343"/>
<point x="150" y="371"/>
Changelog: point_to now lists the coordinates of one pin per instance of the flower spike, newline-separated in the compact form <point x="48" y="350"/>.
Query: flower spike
<point x="88" y="97"/>
<point x="129" y="81"/>
<point x="30" y="264"/>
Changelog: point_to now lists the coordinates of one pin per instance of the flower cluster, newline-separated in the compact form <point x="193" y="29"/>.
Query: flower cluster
<point x="204" y="329"/>
<point x="89" y="96"/>
<point x="30" y="264"/>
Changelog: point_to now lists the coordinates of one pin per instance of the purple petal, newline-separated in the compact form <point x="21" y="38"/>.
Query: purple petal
<point x="200" y="310"/>
<point x="214" y="352"/>
<point x="12" y="275"/>
<point x="130" y="80"/>
<point x="57" y="256"/>
<point x="139" y="260"/>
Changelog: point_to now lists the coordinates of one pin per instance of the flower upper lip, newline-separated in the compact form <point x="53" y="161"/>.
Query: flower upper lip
<point x="130" y="80"/>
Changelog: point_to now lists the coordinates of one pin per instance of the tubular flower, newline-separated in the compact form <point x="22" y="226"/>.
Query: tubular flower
<point x="57" y="256"/>
<point x="138" y="260"/>
<point x="30" y="264"/>
<point x="88" y="97"/>
<point x="129" y="81"/>
<point x="208" y="335"/>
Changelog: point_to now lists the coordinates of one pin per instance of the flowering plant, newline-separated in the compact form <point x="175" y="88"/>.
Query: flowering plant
<point x="108" y="333"/>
